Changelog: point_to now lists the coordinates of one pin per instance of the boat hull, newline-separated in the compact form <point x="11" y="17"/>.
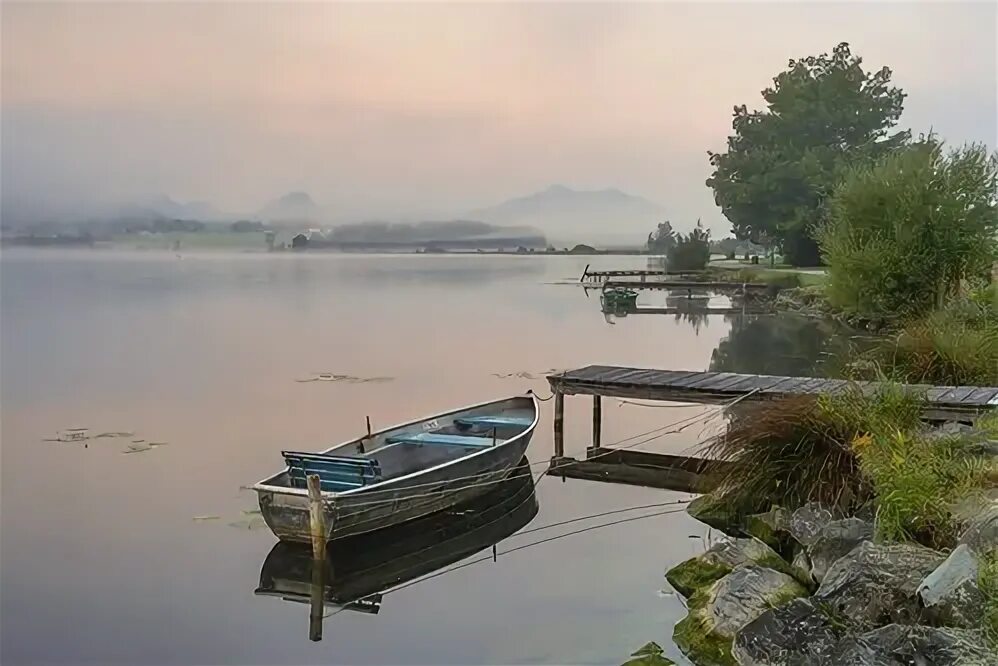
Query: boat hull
<point x="286" y="510"/>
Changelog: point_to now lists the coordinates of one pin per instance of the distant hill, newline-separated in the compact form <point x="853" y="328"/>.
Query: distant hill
<point x="467" y="234"/>
<point x="293" y="207"/>
<point x="163" y="207"/>
<point x="579" y="215"/>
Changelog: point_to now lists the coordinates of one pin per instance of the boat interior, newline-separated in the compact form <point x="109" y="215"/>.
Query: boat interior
<point x="417" y="446"/>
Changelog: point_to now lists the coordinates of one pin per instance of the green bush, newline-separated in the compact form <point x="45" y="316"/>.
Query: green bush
<point x="689" y="252"/>
<point x="957" y="345"/>
<point x="916" y="479"/>
<point x="800" y="449"/>
<point x="903" y="235"/>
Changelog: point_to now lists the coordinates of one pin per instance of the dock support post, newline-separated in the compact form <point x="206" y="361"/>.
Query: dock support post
<point x="597" y="423"/>
<point x="559" y="425"/>
<point x="317" y="521"/>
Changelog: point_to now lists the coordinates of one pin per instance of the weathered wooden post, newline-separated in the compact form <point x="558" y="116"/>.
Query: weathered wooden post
<point x="559" y="425"/>
<point x="317" y="520"/>
<point x="597" y="422"/>
<point x="316" y="607"/>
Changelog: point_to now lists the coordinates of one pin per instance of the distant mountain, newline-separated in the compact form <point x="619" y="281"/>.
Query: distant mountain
<point x="163" y="207"/>
<point x="293" y="207"/>
<point x="579" y="215"/>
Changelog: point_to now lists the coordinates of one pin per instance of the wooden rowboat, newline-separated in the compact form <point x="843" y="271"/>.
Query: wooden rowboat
<point x="358" y="569"/>
<point x="407" y="471"/>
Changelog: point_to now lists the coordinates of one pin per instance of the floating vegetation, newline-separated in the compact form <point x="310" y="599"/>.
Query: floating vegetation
<point x="201" y="519"/>
<point x="141" y="446"/>
<point x="348" y="379"/>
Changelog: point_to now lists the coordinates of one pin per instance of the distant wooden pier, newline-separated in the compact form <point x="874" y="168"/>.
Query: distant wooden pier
<point x="715" y="285"/>
<point x="942" y="403"/>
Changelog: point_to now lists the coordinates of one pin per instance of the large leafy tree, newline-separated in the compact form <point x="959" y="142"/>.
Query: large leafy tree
<point x="823" y="114"/>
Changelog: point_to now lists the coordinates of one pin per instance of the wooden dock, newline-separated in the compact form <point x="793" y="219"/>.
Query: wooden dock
<point x="641" y="275"/>
<point x="648" y="310"/>
<point x="707" y="285"/>
<point x="942" y="403"/>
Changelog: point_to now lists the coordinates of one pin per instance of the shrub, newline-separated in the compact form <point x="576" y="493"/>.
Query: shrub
<point x="902" y="235"/>
<point x="916" y="479"/>
<point x="800" y="449"/>
<point x="954" y="346"/>
<point x="690" y="252"/>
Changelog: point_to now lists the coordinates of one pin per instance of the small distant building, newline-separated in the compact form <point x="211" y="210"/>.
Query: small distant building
<point x="299" y="242"/>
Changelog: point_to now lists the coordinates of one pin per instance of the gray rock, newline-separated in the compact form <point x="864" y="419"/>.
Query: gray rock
<point x="801" y="566"/>
<point x="896" y="644"/>
<point x="952" y="429"/>
<point x="746" y="593"/>
<point x="981" y="534"/>
<point x="772" y="528"/>
<point x="718" y="561"/>
<point x="715" y="512"/>
<point x="807" y="521"/>
<point x="875" y="584"/>
<point x="735" y="552"/>
<point x="835" y="540"/>
<point x="952" y="591"/>
<point x="794" y="634"/>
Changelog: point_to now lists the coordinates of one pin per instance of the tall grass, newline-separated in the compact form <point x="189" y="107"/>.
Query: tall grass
<point x="916" y="479"/>
<point x="957" y="345"/>
<point x="802" y="449"/>
<point x="988" y="581"/>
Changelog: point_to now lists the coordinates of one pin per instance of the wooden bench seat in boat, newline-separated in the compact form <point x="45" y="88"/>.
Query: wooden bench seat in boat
<point x="438" y="438"/>
<point x="494" y="421"/>
<point x="336" y="473"/>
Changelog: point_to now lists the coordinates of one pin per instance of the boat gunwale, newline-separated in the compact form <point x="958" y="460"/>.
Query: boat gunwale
<point x="263" y="486"/>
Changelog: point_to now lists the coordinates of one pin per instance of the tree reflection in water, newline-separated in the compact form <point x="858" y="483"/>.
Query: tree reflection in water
<point x="785" y="344"/>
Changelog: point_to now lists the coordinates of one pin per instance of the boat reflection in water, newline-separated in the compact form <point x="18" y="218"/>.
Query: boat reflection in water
<point x="358" y="569"/>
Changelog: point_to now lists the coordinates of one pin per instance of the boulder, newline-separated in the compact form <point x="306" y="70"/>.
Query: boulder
<point x="746" y="593"/>
<point x="952" y="591"/>
<point x="794" y="634"/>
<point x="800" y="567"/>
<point x="807" y="521"/>
<point x="715" y="512"/>
<point x="717" y="613"/>
<point x="875" y="584"/>
<point x="772" y="528"/>
<point x="834" y="540"/>
<point x="897" y="644"/>
<point x="981" y="533"/>
<point x="718" y="561"/>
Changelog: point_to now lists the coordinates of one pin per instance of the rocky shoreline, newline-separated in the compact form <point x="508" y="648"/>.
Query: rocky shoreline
<point x="814" y="587"/>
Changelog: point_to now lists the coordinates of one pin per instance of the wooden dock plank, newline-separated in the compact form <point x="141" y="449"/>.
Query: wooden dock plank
<point x="981" y="395"/>
<point x="706" y="387"/>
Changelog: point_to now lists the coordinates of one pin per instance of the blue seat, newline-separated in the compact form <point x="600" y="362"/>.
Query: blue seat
<point x="437" y="438"/>
<point x="494" y="421"/>
<point x="368" y="467"/>
<point x="336" y="473"/>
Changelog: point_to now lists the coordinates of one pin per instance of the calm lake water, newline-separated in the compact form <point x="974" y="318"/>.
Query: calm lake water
<point x="151" y="557"/>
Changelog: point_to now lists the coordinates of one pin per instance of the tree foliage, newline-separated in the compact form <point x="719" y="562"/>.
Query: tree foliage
<point x="823" y="113"/>
<point x="690" y="252"/>
<point x="662" y="239"/>
<point x="903" y="235"/>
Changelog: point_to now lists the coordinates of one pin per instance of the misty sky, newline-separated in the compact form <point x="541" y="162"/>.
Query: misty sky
<point x="431" y="110"/>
